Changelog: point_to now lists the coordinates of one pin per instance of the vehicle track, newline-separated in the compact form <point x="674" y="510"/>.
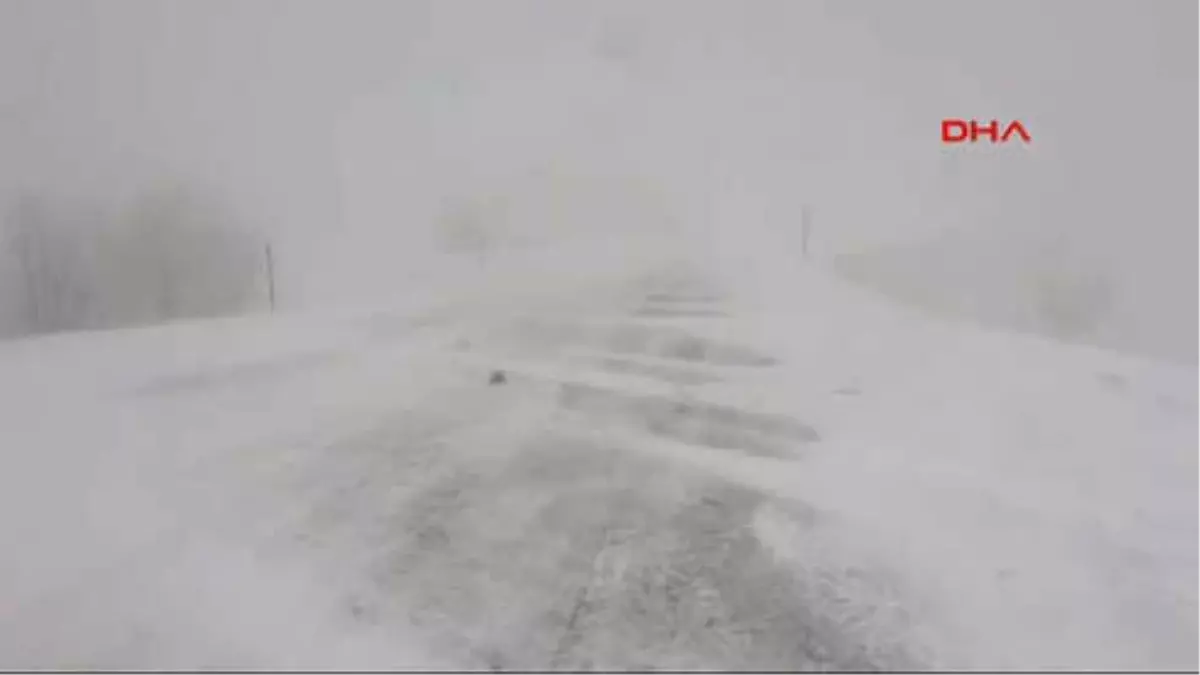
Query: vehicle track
<point x="559" y="550"/>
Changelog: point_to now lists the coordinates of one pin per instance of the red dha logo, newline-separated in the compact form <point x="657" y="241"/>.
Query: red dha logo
<point x="958" y="131"/>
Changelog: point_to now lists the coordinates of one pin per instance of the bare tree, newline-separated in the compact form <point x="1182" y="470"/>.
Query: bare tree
<point x="192" y="255"/>
<point x="1072" y="302"/>
<point x="174" y="253"/>
<point x="48" y="245"/>
<point x="22" y="236"/>
<point x="1071" y="297"/>
<point x="463" y="228"/>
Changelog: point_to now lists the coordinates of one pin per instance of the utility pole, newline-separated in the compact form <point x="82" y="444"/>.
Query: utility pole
<point x="270" y="277"/>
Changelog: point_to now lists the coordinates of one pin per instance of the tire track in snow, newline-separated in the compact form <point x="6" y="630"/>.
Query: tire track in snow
<point x="525" y="545"/>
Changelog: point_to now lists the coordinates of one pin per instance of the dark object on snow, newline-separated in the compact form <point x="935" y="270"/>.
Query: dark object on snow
<point x="498" y="377"/>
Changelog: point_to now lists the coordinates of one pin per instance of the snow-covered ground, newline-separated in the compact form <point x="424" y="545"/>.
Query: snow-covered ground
<point x="682" y="470"/>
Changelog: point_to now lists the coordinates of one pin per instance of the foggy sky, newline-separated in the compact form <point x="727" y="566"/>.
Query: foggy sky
<point x="345" y="128"/>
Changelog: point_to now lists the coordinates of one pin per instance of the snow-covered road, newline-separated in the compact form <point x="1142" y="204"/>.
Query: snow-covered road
<point x="524" y="526"/>
<point x="670" y="477"/>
